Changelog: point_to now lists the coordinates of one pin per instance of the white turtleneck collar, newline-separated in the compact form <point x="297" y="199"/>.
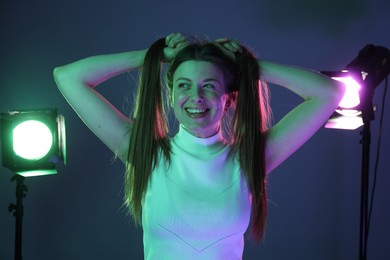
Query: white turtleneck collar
<point x="198" y="145"/>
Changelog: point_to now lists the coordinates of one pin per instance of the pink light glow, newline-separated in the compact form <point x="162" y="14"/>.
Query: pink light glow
<point x="351" y="97"/>
<point x="344" y="122"/>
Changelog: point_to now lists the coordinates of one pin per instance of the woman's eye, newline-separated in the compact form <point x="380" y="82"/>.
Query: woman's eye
<point x="183" y="85"/>
<point x="209" y="86"/>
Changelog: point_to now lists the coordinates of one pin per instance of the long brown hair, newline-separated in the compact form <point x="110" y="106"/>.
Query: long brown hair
<point x="250" y="120"/>
<point x="149" y="132"/>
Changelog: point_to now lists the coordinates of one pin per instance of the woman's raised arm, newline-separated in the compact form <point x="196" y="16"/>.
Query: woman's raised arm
<point x="321" y="97"/>
<point x="77" y="80"/>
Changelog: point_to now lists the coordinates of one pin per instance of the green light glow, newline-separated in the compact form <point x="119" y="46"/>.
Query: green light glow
<point x="33" y="173"/>
<point x="32" y="140"/>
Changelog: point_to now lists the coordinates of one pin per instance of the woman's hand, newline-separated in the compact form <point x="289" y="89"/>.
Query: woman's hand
<point x="229" y="47"/>
<point x="174" y="42"/>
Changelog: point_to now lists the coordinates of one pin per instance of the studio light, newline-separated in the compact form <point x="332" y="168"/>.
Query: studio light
<point x="348" y="114"/>
<point x="33" y="141"/>
<point x="361" y="77"/>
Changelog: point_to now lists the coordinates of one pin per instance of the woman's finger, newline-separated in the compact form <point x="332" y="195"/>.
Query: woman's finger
<point x="177" y="39"/>
<point x="182" y="44"/>
<point x="236" y="45"/>
<point x="169" y="38"/>
<point x="222" y="40"/>
<point x="229" y="44"/>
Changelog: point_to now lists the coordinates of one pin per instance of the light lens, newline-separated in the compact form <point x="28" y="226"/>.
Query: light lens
<point x="32" y="140"/>
<point x="351" y="97"/>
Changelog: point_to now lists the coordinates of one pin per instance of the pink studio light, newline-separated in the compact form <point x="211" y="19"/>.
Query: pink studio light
<point x="361" y="76"/>
<point x="347" y="116"/>
<point x="369" y="68"/>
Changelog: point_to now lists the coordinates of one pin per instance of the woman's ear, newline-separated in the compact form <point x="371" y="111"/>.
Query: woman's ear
<point x="230" y="101"/>
<point x="228" y="104"/>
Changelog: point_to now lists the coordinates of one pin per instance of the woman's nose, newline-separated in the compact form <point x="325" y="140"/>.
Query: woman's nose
<point x="197" y="95"/>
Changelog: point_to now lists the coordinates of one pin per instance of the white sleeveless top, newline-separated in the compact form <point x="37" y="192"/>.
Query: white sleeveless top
<point x="199" y="207"/>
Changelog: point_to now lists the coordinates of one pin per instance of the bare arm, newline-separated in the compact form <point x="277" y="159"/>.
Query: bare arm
<point x="321" y="97"/>
<point x="77" y="80"/>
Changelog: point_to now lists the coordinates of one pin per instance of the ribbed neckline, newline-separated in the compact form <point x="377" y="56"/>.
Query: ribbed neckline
<point x="198" y="145"/>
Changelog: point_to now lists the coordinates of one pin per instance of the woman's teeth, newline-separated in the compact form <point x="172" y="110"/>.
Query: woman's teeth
<point x="196" y="110"/>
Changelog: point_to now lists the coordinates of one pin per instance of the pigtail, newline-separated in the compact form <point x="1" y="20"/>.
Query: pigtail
<point x="249" y="126"/>
<point x="149" y="131"/>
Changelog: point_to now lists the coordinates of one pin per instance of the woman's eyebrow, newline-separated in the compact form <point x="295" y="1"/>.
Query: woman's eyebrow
<point x="183" y="78"/>
<point x="212" y="79"/>
<point x="205" y="80"/>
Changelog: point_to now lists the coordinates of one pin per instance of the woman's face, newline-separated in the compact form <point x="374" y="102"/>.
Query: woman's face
<point x="199" y="97"/>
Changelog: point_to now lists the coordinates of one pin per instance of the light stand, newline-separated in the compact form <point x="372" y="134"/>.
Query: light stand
<point x="17" y="210"/>
<point x="367" y="116"/>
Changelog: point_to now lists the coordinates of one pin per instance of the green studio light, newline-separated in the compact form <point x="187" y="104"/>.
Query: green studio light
<point x="33" y="141"/>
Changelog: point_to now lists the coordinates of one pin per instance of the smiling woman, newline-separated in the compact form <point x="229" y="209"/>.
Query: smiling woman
<point x="196" y="193"/>
<point x="199" y="97"/>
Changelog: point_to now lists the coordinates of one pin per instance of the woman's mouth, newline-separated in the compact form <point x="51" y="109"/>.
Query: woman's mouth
<point x="197" y="112"/>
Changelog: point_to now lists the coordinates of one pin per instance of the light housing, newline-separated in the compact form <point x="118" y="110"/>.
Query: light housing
<point x="361" y="77"/>
<point x="33" y="141"/>
<point x="348" y="115"/>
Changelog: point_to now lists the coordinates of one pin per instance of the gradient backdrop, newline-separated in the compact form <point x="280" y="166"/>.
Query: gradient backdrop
<point x="314" y="196"/>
